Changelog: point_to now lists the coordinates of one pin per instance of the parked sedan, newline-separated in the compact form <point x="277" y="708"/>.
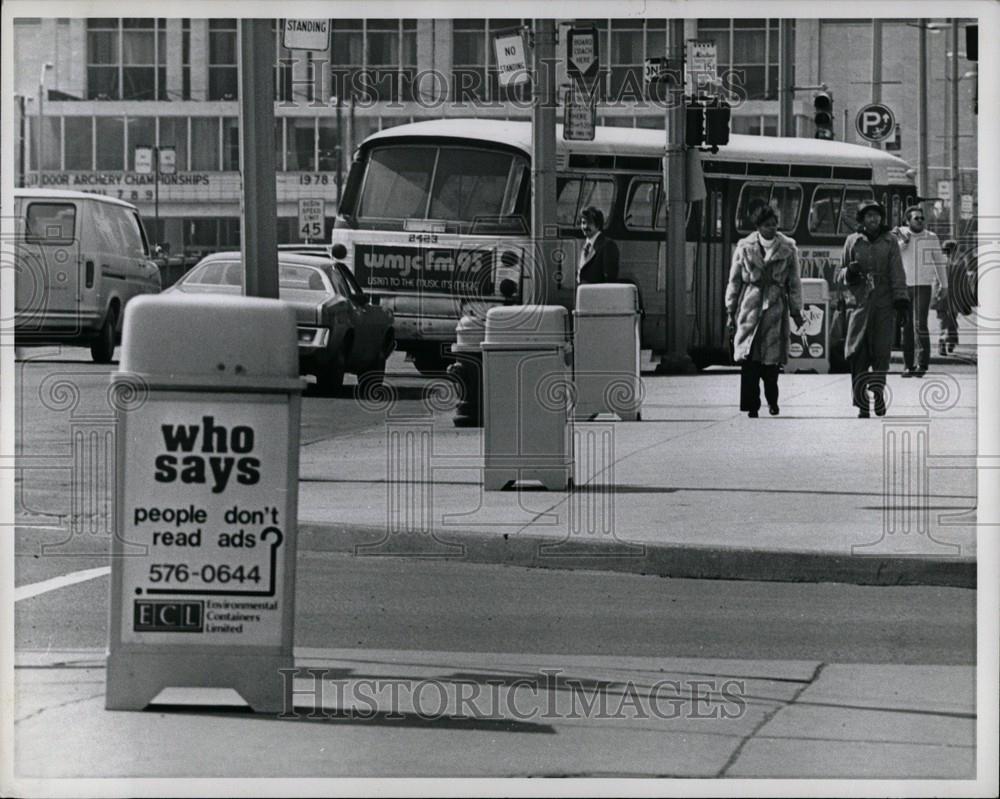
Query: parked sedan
<point x="339" y="329"/>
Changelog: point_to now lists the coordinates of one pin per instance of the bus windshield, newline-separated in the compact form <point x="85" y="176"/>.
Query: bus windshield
<point x="450" y="183"/>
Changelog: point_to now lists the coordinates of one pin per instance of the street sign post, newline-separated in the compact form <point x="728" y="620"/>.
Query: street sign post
<point x="583" y="61"/>
<point x="312" y="214"/>
<point x="306" y="34"/>
<point x="944" y="191"/>
<point x="966" y="209"/>
<point x="578" y="117"/>
<point x="701" y="71"/>
<point x="875" y="122"/>
<point x="512" y="64"/>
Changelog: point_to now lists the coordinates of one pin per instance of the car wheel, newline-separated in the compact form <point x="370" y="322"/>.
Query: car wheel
<point x="103" y="347"/>
<point x="430" y="364"/>
<point x="375" y="374"/>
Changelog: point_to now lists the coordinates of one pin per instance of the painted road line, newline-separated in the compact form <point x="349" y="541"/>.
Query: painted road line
<point x="34" y="589"/>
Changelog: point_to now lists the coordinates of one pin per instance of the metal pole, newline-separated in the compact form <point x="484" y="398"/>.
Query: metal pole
<point x="20" y="150"/>
<point x="258" y="240"/>
<point x="543" y="152"/>
<point x="340" y="150"/>
<point x="876" y="67"/>
<point x="38" y="136"/>
<point x="922" y="142"/>
<point x="786" y="121"/>
<point x="156" y="192"/>
<point x="675" y="184"/>
<point x="956" y="200"/>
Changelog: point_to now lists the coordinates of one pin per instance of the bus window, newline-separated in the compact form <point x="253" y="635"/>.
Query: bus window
<point x="752" y="196"/>
<point x="825" y="210"/>
<point x="642" y="203"/>
<point x="599" y="193"/>
<point x="568" y="198"/>
<point x="897" y="214"/>
<point x="470" y="184"/>
<point x="852" y="198"/>
<point x="397" y="182"/>
<point x="787" y="201"/>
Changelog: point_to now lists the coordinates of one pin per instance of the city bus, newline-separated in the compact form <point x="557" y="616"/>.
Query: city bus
<point x="435" y="218"/>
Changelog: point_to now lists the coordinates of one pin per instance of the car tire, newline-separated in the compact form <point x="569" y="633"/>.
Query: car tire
<point x="431" y="364"/>
<point x="102" y="349"/>
<point x="375" y="374"/>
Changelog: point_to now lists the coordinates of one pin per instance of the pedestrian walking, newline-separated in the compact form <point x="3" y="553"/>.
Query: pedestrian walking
<point x="764" y="288"/>
<point x="872" y="273"/>
<point x="926" y="270"/>
<point x="954" y="303"/>
<point x="599" y="254"/>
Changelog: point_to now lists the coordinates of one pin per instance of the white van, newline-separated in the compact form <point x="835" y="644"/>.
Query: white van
<point x="79" y="258"/>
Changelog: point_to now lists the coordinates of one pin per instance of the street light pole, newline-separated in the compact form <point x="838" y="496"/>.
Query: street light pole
<point x="39" y="152"/>
<point x="922" y="143"/>
<point x="876" y="67"/>
<point x="956" y="200"/>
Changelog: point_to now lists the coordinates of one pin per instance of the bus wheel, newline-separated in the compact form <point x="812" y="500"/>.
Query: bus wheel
<point x="103" y="347"/>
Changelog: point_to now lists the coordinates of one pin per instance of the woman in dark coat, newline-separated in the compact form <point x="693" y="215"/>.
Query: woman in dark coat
<point x="764" y="288"/>
<point x="872" y="272"/>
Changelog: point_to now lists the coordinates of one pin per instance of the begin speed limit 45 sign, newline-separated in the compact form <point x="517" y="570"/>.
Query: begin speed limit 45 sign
<point x="312" y="216"/>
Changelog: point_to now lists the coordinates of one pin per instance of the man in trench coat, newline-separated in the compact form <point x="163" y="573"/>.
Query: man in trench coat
<point x="872" y="273"/>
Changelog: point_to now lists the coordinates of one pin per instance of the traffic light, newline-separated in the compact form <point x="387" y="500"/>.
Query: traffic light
<point x="823" y="115"/>
<point x="694" y="126"/>
<point x="717" y="123"/>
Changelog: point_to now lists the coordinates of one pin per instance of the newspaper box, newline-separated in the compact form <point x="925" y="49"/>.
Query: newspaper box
<point x="809" y="345"/>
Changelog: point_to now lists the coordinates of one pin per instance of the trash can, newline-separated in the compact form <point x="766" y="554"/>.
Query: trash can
<point x="467" y="370"/>
<point x="809" y="345"/>
<point x="606" y="351"/>
<point x="206" y="509"/>
<point x="527" y="397"/>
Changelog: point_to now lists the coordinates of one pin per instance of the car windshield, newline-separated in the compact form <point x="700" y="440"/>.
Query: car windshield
<point x="298" y="277"/>
<point x="449" y="183"/>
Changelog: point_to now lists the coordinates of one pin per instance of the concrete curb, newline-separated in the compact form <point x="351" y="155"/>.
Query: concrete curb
<point x="664" y="560"/>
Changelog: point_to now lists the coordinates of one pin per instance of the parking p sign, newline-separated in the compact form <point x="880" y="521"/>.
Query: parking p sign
<point x="312" y="214"/>
<point x="875" y="122"/>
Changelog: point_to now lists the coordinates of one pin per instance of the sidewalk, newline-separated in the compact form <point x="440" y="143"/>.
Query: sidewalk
<point x="696" y="489"/>
<point x="522" y="715"/>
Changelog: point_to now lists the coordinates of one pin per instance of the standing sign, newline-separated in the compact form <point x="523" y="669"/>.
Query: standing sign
<point x="700" y="69"/>
<point x="306" y="34"/>
<point x="312" y="217"/>
<point x="875" y="122"/>
<point x="203" y="559"/>
<point x="144" y="160"/>
<point x="966" y="208"/>
<point x="944" y="191"/>
<point x="583" y="61"/>
<point x="579" y="117"/>
<point x="168" y="160"/>
<point x="512" y="65"/>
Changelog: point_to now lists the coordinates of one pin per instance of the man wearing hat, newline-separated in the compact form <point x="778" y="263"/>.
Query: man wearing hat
<point x="872" y="274"/>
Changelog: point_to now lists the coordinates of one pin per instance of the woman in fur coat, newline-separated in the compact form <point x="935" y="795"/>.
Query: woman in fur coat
<point x="764" y="288"/>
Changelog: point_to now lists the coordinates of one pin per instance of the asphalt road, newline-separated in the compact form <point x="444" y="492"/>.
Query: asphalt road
<point x="399" y="603"/>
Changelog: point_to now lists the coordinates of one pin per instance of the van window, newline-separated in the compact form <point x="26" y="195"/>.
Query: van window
<point x="106" y="228"/>
<point x="50" y="223"/>
<point x="825" y="210"/>
<point x="128" y="231"/>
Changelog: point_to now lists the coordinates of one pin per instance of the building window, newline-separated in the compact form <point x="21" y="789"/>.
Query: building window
<point x="755" y="125"/>
<point x="749" y="48"/>
<point x="283" y="71"/>
<point x="300" y="149"/>
<point x="126" y="59"/>
<point x="222" y="63"/>
<point x="375" y="59"/>
<point x="140" y="132"/>
<point x="205" y="144"/>
<point x="632" y="41"/>
<point x="174" y="133"/>
<point x="110" y="143"/>
<point x="79" y="143"/>
<point x="231" y="144"/>
<point x="474" y="74"/>
<point x="329" y="145"/>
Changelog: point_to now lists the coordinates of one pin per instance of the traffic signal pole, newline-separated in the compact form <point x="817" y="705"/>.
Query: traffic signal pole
<point x="543" y="156"/>
<point x="259" y="235"/>
<point x="876" y="67"/>
<point x="675" y="184"/>
<point x="786" y="107"/>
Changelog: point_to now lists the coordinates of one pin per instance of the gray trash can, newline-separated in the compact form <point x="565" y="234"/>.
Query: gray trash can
<point x="526" y="397"/>
<point x="809" y="345"/>
<point x="606" y="351"/>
